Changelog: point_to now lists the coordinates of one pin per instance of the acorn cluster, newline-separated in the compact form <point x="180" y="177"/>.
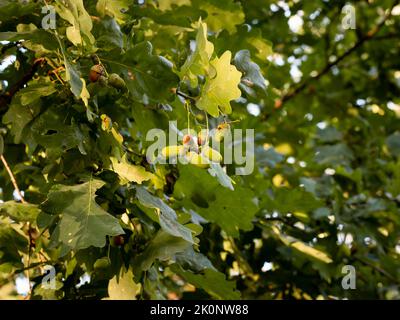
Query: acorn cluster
<point x="98" y="74"/>
<point x="195" y="150"/>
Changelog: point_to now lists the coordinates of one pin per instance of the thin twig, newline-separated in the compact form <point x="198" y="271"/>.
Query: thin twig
<point x="5" y="98"/>
<point x="380" y="270"/>
<point x="183" y="95"/>
<point x="21" y="197"/>
<point x="12" y="178"/>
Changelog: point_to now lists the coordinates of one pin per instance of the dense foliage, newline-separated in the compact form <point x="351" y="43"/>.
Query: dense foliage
<point x="78" y="100"/>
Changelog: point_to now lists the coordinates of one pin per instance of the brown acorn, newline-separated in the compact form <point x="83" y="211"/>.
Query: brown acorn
<point x="186" y="139"/>
<point x="96" y="72"/>
<point x="118" y="241"/>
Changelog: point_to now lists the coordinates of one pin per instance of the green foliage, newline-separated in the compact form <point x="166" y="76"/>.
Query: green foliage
<point x="325" y="190"/>
<point x="83" y="222"/>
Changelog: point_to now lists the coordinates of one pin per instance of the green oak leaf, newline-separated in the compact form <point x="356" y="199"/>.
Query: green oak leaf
<point x="221" y="15"/>
<point x="167" y="215"/>
<point x="148" y="77"/>
<point x="78" y="84"/>
<point x="50" y="130"/>
<point x="221" y="86"/>
<point x="108" y="34"/>
<point x="199" y="61"/>
<point x="32" y="37"/>
<point x="123" y="287"/>
<point x="337" y="154"/>
<point x="211" y="281"/>
<point x="35" y="91"/>
<point x="113" y="8"/>
<point x="192" y="260"/>
<point x="169" y="4"/>
<point x="72" y="75"/>
<point x="19" y="116"/>
<point x="17" y="9"/>
<point x="251" y="71"/>
<point x="13" y="243"/>
<point x="231" y="210"/>
<point x="163" y="247"/>
<point x="75" y="13"/>
<point x="223" y="178"/>
<point x="83" y="222"/>
<point x="129" y="172"/>
<point x="19" y="211"/>
<point x="290" y="200"/>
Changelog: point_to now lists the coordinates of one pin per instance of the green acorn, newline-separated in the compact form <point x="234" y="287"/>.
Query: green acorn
<point x="116" y="81"/>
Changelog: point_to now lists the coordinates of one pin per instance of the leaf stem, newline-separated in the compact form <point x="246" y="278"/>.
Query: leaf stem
<point x="184" y="95"/>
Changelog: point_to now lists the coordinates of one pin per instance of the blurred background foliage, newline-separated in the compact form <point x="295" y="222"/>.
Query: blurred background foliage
<point x="325" y="191"/>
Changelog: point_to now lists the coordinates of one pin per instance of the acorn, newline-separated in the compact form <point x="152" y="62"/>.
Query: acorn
<point x="198" y="160"/>
<point x="95" y="72"/>
<point x="103" y="80"/>
<point x="118" y="241"/>
<point x="211" y="154"/>
<point x="172" y="151"/>
<point x="116" y="81"/>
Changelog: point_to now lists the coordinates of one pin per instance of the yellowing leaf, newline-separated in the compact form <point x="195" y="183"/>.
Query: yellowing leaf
<point x="302" y="247"/>
<point x="85" y="95"/>
<point x="158" y="179"/>
<point x="74" y="35"/>
<point x="117" y="136"/>
<point x="75" y="13"/>
<point x="123" y="287"/>
<point x="221" y="87"/>
<point x="113" y="8"/>
<point x="223" y="14"/>
<point x="129" y="172"/>
<point x="169" y="4"/>
<point x="198" y="62"/>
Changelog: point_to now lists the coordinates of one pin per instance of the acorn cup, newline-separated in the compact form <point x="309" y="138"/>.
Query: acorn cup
<point x="173" y="151"/>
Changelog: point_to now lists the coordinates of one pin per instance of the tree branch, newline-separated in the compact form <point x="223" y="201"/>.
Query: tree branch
<point x="31" y="244"/>
<point x="369" y="35"/>
<point x="5" y="98"/>
<point x="12" y="178"/>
